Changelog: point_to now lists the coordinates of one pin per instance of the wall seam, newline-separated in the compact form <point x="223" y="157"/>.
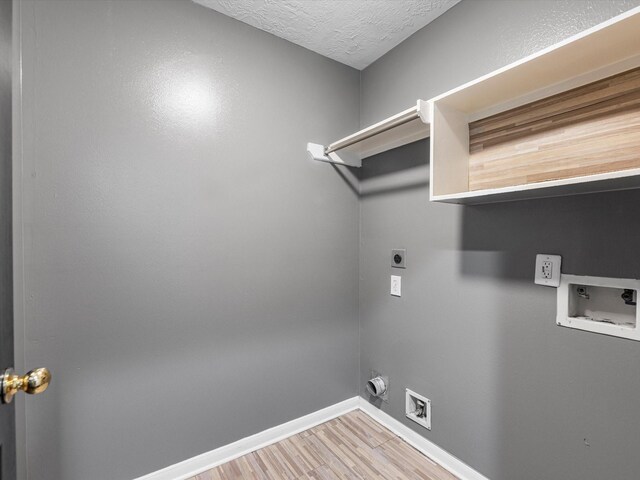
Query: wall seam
<point x="359" y="377"/>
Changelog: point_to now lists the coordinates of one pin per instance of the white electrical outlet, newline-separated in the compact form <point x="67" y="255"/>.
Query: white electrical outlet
<point x="396" y="285"/>
<point x="418" y="409"/>
<point x="548" y="270"/>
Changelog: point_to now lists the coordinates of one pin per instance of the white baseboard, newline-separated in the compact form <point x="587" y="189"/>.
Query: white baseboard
<point x="208" y="460"/>
<point x="430" y="449"/>
<point x="193" y="466"/>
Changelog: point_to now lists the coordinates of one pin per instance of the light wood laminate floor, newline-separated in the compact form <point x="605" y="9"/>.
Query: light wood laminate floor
<point x="352" y="446"/>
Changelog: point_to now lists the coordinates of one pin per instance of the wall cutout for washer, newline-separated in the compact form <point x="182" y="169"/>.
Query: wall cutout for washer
<point x="399" y="258"/>
<point x="600" y="305"/>
<point x="378" y="386"/>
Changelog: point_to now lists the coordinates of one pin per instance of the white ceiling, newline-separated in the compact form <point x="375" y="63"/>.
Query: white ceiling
<point x="354" y="32"/>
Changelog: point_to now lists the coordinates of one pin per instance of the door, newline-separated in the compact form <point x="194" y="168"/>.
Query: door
<point x="7" y="411"/>
<point x="35" y="381"/>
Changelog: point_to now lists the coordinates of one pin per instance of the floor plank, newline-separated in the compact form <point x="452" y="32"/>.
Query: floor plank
<point x="365" y="428"/>
<point x="350" y="447"/>
<point x="411" y="462"/>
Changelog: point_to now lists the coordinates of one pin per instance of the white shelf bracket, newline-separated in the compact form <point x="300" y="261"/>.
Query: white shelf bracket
<point x="316" y="152"/>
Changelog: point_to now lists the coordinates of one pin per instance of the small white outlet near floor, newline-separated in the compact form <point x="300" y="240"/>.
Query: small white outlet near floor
<point x="418" y="409"/>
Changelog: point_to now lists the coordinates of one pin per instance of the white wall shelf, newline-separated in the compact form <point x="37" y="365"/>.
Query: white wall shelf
<point x="405" y="127"/>
<point x="595" y="54"/>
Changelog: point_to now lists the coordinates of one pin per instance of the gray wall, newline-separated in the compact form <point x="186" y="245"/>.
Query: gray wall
<point x="190" y="277"/>
<point x="514" y="396"/>
<point x="7" y="412"/>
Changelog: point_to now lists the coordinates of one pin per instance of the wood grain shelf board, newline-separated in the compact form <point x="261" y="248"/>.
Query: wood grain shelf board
<point x="588" y="130"/>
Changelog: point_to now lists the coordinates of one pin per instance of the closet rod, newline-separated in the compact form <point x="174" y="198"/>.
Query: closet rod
<point x="402" y="118"/>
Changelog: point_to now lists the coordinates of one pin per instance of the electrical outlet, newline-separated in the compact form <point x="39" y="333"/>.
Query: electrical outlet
<point x="399" y="258"/>
<point x="548" y="270"/>
<point x="396" y="285"/>
<point x="418" y="409"/>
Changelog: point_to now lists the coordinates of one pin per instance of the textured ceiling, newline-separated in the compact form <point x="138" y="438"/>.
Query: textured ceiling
<point x="354" y="32"/>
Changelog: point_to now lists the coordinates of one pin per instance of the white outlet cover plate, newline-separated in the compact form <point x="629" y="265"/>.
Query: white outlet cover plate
<point x="396" y="285"/>
<point x="542" y="264"/>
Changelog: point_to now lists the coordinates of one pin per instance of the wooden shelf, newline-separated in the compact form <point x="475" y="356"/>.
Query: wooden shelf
<point x="405" y="127"/>
<point x="563" y="121"/>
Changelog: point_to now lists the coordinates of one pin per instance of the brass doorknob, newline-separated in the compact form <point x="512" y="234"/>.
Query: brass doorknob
<point x="34" y="382"/>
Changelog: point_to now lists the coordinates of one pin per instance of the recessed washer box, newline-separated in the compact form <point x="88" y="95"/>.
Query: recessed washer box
<point x="599" y="304"/>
